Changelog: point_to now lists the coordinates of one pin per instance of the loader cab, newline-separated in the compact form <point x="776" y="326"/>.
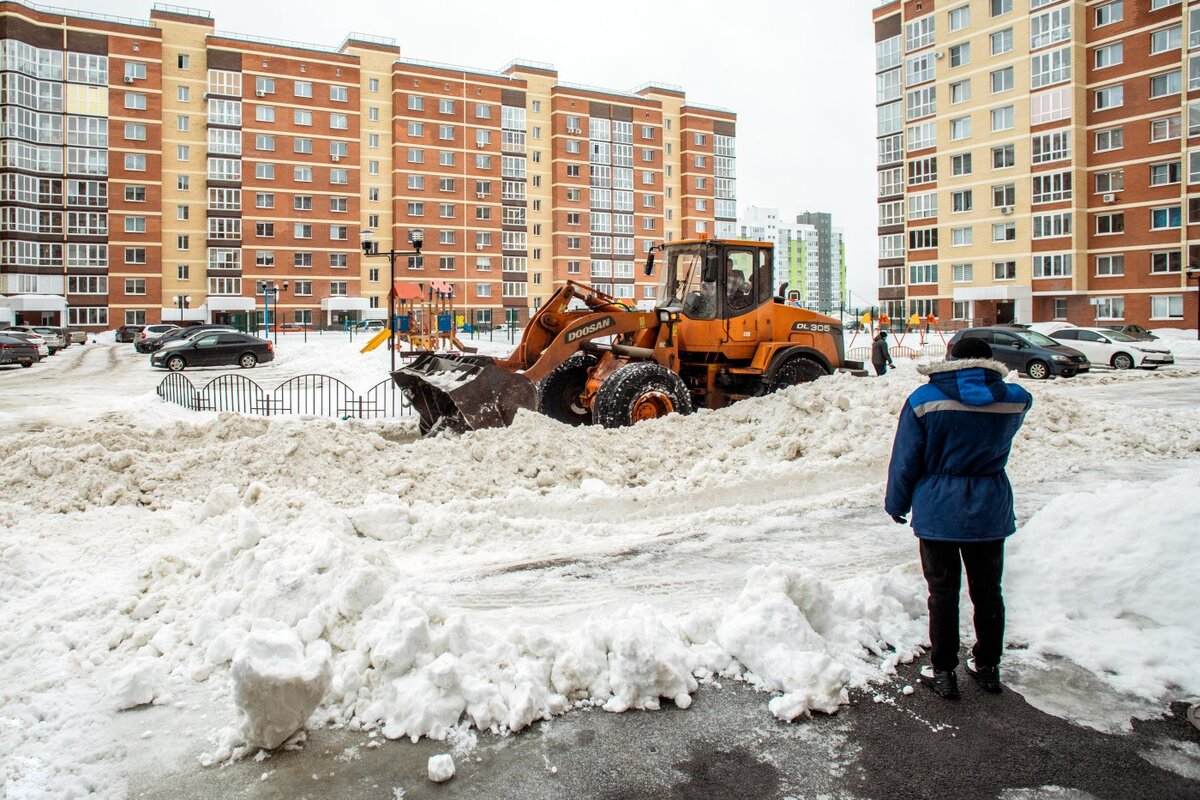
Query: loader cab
<point x="712" y="279"/>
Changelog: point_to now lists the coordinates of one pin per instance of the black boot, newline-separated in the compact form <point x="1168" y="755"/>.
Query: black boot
<point x="944" y="683"/>
<point x="988" y="678"/>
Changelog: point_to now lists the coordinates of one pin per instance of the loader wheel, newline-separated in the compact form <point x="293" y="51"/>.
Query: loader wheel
<point x="796" y="370"/>
<point x="558" y="394"/>
<point x="640" y="391"/>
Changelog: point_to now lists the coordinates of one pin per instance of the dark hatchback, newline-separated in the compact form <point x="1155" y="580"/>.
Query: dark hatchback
<point x="1030" y="352"/>
<point x="215" y="349"/>
<point x="1133" y="332"/>
<point x="154" y="345"/>
<point x="14" y="350"/>
<point x="128" y="333"/>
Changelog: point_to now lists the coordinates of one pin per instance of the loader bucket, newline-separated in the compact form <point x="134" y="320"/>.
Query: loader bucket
<point x="464" y="393"/>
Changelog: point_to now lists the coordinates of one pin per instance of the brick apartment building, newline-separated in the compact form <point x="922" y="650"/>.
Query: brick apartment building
<point x="1037" y="160"/>
<point x="162" y="170"/>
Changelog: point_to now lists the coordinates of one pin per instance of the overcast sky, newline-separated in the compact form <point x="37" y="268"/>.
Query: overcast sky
<point x="799" y="74"/>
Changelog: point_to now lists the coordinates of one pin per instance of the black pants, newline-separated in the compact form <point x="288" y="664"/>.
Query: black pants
<point x="880" y="368"/>
<point x="942" y="564"/>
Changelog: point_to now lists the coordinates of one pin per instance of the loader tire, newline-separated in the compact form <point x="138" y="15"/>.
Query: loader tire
<point x="559" y="391"/>
<point x="640" y="391"/>
<point x="796" y="370"/>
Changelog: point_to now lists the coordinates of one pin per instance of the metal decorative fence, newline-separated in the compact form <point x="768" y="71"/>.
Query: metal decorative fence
<point x="308" y="395"/>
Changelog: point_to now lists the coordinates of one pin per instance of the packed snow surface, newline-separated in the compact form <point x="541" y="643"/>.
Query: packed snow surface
<point x="269" y="574"/>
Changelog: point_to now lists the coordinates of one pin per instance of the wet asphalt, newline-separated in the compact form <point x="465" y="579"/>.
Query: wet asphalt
<point x="727" y="746"/>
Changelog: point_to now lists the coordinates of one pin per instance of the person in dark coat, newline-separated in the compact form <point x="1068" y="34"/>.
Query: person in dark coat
<point x="947" y="468"/>
<point x="881" y="359"/>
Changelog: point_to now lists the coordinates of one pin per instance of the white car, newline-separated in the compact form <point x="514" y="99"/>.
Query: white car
<point x="1114" y="348"/>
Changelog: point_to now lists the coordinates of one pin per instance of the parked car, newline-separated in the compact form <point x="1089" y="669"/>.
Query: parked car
<point x="1029" y="352"/>
<point x="39" y="343"/>
<point x="53" y="336"/>
<point x="77" y="335"/>
<point x="372" y="325"/>
<point x="129" y="333"/>
<point x="149" y="334"/>
<point x="1133" y="331"/>
<point x="215" y="348"/>
<point x="16" y="350"/>
<point x="1118" y="350"/>
<point x="184" y="334"/>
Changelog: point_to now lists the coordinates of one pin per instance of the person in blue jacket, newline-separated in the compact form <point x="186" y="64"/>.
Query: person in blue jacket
<point x="947" y="468"/>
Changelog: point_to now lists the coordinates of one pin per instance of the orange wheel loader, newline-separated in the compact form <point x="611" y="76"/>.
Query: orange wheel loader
<point x="717" y="334"/>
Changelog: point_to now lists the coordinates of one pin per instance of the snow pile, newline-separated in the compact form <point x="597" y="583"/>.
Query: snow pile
<point x="277" y="683"/>
<point x="441" y="768"/>
<point x="1107" y="579"/>
<point x="311" y="606"/>
<point x="1182" y="342"/>
<point x="503" y="577"/>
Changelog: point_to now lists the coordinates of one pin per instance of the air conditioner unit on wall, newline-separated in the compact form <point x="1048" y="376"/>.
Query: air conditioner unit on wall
<point x="1110" y="198"/>
<point x="939" y="55"/>
<point x="1006" y="210"/>
<point x="128" y="79"/>
<point x="260" y="93"/>
<point x="335" y="158"/>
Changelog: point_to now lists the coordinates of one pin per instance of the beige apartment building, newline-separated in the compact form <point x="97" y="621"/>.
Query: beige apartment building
<point x="1036" y="159"/>
<point x="163" y="170"/>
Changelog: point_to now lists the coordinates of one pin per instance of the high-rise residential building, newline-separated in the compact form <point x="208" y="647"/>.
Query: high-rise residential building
<point x="810" y="254"/>
<point x="162" y="170"/>
<point x="1031" y="158"/>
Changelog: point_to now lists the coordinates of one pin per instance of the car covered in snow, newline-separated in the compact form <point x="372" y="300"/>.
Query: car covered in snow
<point x="16" y="350"/>
<point x="215" y="349"/>
<point x="1028" y="352"/>
<point x="1116" y="349"/>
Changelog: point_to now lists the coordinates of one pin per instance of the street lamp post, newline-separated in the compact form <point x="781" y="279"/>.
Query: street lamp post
<point x="416" y="237"/>
<point x="271" y="292"/>
<point x="182" y="301"/>
<point x="1193" y="274"/>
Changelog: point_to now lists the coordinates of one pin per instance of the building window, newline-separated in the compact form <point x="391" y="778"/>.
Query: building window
<point x="1110" y="55"/>
<point x="1003" y="156"/>
<point x="960" y="55"/>
<point x="1109" y="13"/>
<point x="1051" y="187"/>
<point x="1060" y="308"/>
<point x="1002" y="80"/>
<point x="1166" y="306"/>
<point x="1004" y="270"/>
<point x="1166" y="262"/>
<point x="1110" y="97"/>
<point x="1165" y="84"/>
<point x="1109" y="307"/>
<point x="1111" y="265"/>
<point x="1165" y="218"/>
<point x="963" y="273"/>
<point x="1004" y="231"/>
<point x="1165" y="173"/>
<point x="1110" y="139"/>
<point x="1109" y="224"/>
<point x="961" y="201"/>
<point x="1052" y="265"/>
<point x="1166" y="39"/>
<point x="1004" y="195"/>
<point x="1002" y="118"/>
<point x="1002" y="41"/>
<point x="960" y="129"/>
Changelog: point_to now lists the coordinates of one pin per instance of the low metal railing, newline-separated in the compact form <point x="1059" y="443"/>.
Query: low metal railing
<point x="311" y="395"/>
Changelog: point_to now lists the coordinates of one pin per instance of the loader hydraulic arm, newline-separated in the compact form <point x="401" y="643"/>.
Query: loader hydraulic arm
<point x="550" y="320"/>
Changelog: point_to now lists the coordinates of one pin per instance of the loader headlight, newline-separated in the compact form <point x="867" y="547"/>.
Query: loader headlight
<point x="666" y="315"/>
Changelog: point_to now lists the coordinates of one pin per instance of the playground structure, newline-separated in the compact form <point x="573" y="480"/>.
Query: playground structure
<point x="425" y="321"/>
<point x="930" y="339"/>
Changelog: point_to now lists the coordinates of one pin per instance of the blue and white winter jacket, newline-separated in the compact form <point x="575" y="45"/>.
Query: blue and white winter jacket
<point x="951" y="447"/>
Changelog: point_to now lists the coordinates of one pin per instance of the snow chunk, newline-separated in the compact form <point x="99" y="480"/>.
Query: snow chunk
<point x="137" y="684"/>
<point x="277" y="683"/>
<point x="441" y="768"/>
